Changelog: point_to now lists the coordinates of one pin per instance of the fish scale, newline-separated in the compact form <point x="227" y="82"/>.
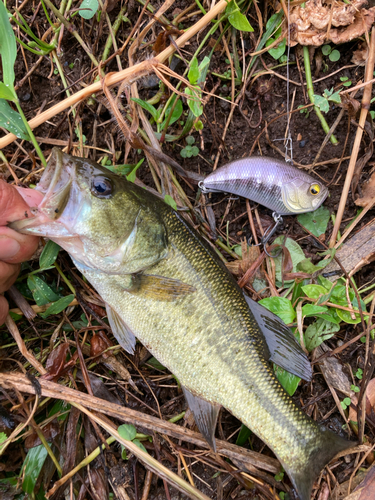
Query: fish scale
<point x="183" y="305"/>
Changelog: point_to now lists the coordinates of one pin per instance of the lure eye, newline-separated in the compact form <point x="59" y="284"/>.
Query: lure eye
<point x="101" y="187"/>
<point x="314" y="189"/>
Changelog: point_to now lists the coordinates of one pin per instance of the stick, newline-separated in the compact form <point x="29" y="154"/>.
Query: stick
<point x="365" y="106"/>
<point x="57" y="391"/>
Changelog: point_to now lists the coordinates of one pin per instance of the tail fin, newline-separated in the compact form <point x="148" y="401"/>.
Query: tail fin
<point x="322" y="451"/>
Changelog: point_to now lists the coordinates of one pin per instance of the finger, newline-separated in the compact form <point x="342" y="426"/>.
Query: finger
<point x="8" y="275"/>
<point x="30" y="196"/>
<point x="16" y="247"/>
<point x="3" y="309"/>
<point x="12" y="205"/>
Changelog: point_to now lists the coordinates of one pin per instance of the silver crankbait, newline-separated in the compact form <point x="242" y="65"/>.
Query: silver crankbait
<point x="277" y="185"/>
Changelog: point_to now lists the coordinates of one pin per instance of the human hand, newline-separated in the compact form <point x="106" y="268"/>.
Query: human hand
<point x="14" y="247"/>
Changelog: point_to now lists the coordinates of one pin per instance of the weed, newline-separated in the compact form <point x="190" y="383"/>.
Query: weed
<point x="345" y="403"/>
<point x="322" y="101"/>
<point x="333" y="54"/>
<point x="189" y="150"/>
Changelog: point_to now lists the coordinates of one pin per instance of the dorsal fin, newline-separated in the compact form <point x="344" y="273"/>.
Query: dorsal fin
<point x="284" y="349"/>
<point x="205" y="415"/>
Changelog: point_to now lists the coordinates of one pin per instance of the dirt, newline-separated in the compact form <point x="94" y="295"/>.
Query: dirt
<point x="265" y="103"/>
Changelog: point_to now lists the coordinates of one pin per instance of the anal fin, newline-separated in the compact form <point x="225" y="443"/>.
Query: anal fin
<point x="159" y="287"/>
<point x="205" y="415"/>
<point x="284" y="349"/>
<point x="120" y="330"/>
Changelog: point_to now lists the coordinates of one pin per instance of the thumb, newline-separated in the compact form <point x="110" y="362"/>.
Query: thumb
<point x="12" y="205"/>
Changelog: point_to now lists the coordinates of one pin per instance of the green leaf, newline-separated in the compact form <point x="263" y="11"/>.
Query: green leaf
<point x="3" y="437"/>
<point x="334" y="55"/>
<point x="42" y="293"/>
<point x="49" y="254"/>
<point x="12" y="121"/>
<point x="58" y="306"/>
<point x="203" y="68"/>
<point x="177" y="112"/>
<point x="272" y="22"/>
<point x="243" y="435"/>
<point x="316" y="222"/>
<point x="326" y="49"/>
<point x="190" y="140"/>
<point x="127" y="431"/>
<point x="309" y="310"/>
<point x="155" y="364"/>
<point x="318" y="332"/>
<point x="193" y="74"/>
<point x="93" y="5"/>
<point x="346" y="316"/>
<point x="336" y="98"/>
<point x="236" y="19"/>
<point x="296" y="254"/>
<point x="287" y="380"/>
<point x="279" y="50"/>
<point x="194" y="101"/>
<point x="322" y="103"/>
<point x="32" y="466"/>
<point x="280" y="306"/>
<point x="8" y="48"/>
<point x="148" y="107"/>
<point x="326" y="283"/>
<point x="131" y="177"/>
<point x="314" y="291"/>
<point x="140" y="445"/>
<point x="312" y="310"/>
<point x="6" y="92"/>
<point x="170" y="201"/>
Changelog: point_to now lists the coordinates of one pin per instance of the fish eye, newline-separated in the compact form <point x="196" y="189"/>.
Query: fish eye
<point x="101" y="187"/>
<point x="314" y="189"/>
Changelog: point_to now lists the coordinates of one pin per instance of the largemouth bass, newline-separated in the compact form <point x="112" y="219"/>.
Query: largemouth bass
<point x="163" y="284"/>
<point x="277" y="185"/>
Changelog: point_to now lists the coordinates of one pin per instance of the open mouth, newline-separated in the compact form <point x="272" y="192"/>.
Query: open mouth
<point x="55" y="184"/>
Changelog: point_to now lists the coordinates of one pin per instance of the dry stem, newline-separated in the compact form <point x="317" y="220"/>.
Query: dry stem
<point x="365" y="106"/>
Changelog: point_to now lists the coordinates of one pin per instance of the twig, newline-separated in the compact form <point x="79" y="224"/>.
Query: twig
<point x="12" y="327"/>
<point x="153" y="424"/>
<point x="365" y="106"/>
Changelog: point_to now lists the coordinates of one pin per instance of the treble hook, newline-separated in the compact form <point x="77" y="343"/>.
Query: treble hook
<point x="270" y="231"/>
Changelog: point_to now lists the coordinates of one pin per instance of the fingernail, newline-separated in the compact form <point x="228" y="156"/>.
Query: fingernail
<point x="8" y="248"/>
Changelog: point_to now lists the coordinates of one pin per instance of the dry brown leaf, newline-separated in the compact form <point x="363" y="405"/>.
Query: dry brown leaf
<point x="319" y="22"/>
<point x="360" y="55"/>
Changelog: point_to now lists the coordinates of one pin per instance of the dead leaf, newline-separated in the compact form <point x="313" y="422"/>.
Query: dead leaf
<point x="316" y="22"/>
<point x="99" y="343"/>
<point x="56" y="361"/>
<point x="360" y="55"/>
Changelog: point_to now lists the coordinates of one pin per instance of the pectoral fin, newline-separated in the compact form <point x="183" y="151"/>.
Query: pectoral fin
<point x="121" y="331"/>
<point x="284" y="349"/>
<point x="205" y="415"/>
<point x="159" y="287"/>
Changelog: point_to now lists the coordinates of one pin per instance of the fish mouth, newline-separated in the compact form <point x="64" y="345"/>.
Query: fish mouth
<point x="55" y="184"/>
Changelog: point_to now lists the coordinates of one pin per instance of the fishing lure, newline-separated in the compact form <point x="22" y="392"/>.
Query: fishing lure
<point x="277" y="185"/>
